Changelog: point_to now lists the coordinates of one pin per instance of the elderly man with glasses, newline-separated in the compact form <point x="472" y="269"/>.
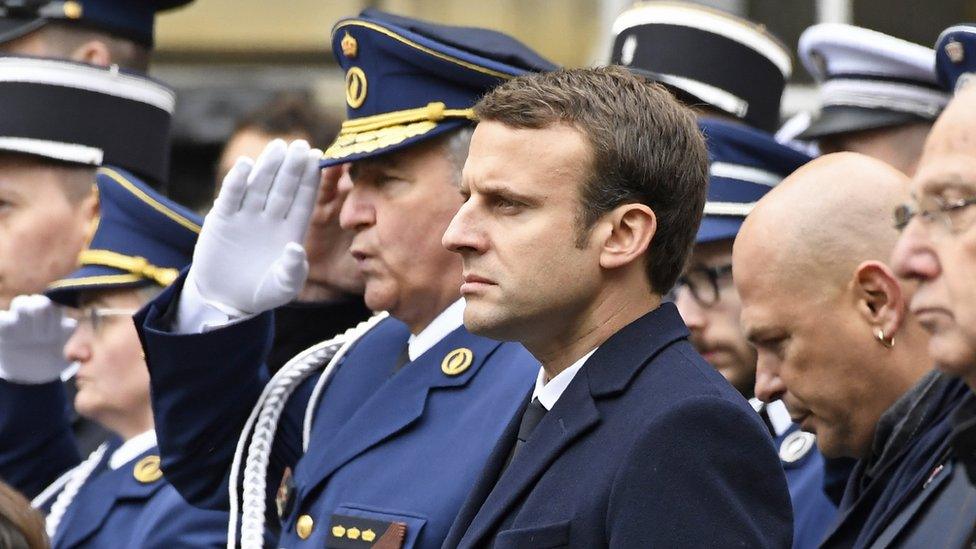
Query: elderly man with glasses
<point x="744" y="164"/>
<point x="937" y="249"/>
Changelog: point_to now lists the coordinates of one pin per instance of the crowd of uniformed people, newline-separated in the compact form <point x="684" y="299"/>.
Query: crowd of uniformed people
<point x="509" y="305"/>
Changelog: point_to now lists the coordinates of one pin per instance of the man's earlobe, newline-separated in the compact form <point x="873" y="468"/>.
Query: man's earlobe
<point x="632" y="228"/>
<point x="93" y="52"/>
<point x="880" y="297"/>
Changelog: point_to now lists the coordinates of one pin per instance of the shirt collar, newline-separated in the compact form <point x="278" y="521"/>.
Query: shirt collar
<point x="131" y="448"/>
<point x="779" y="417"/>
<point x="549" y="392"/>
<point x="449" y="320"/>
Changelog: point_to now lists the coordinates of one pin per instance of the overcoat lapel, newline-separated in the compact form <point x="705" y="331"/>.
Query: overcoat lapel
<point x="573" y="415"/>
<point x="605" y="374"/>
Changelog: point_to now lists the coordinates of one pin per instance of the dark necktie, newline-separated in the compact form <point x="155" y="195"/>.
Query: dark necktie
<point x="531" y="417"/>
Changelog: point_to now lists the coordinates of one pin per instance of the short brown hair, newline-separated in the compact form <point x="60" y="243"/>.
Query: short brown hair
<point x="647" y="148"/>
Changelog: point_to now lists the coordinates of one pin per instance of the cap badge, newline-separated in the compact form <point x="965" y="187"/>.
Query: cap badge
<point x="147" y="470"/>
<point x="796" y="445"/>
<point x="628" y="49"/>
<point x="349" y="46"/>
<point x="355" y="87"/>
<point x="72" y="10"/>
<point x="955" y="51"/>
<point x="457" y="361"/>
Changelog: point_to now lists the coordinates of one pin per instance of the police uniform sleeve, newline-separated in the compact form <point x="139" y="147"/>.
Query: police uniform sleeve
<point x="36" y="442"/>
<point x="203" y="389"/>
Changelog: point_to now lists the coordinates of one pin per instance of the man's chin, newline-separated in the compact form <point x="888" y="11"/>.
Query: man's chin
<point x="952" y="354"/>
<point x="481" y="322"/>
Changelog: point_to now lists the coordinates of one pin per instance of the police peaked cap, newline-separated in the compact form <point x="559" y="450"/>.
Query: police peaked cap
<point x="955" y="56"/>
<point x="744" y="164"/>
<point x="868" y="80"/>
<point x="84" y="114"/>
<point x="130" y="19"/>
<point x="141" y="239"/>
<point x="706" y="57"/>
<point x="408" y="81"/>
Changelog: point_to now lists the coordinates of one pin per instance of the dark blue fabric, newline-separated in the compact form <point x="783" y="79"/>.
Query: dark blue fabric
<point x="133" y="20"/>
<point x="737" y="144"/>
<point x="36" y="444"/>
<point x="113" y="509"/>
<point x="963" y="37"/>
<point x="867" y="508"/>
<point x="813" y="511"/>
<point x="403" y="446"/>
<point x="647" y="447"/>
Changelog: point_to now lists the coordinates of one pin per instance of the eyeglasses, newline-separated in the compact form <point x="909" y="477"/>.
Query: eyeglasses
<point x="95" y="317"/>
<point x="936" y="211"/>
<point x="703" y="283"/>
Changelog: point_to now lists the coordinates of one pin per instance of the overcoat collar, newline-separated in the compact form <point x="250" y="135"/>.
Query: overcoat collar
<point x="607" y="373"/>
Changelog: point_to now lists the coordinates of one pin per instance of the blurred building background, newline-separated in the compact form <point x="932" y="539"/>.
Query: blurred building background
<point x="226" y="57"/>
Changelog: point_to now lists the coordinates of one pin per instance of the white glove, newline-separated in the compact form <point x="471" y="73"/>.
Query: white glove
<point x="249" y="256"/>
<point x="32" y="337"/>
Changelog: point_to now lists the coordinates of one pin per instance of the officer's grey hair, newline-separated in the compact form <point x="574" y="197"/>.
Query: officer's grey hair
<point x="456" y="146"/>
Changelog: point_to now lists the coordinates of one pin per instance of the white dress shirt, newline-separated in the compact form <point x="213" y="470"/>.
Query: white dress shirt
<point x="131" y="449"/>
<point x="549" y="392"/>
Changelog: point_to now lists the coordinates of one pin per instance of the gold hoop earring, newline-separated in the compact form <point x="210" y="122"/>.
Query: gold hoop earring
<point x="888" y="343"/>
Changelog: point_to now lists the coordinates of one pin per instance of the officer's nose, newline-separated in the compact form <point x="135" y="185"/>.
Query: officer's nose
<point x="78" y="346"/>
<point x="691" y="312"/>
<point x="913" y="256"/>
<point x="769" y="386"/>
<point x="357" y="211"/>
<point x="463" y="235"/>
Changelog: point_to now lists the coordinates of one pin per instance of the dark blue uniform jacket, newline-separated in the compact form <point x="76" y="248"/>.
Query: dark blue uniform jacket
<point x="395" y="446"/>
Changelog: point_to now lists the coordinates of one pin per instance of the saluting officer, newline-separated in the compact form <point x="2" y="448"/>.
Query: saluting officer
<point x="736" y="115"/>
<point x="384" y="443"/>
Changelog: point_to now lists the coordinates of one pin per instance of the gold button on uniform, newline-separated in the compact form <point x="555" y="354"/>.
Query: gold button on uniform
<point x="304" y="526"/>
<point x="147" y="470"/>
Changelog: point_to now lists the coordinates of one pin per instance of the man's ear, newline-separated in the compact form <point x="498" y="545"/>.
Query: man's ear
<point x="632" y="227"/>
<point x="93" y="52"/>
<point x="880" y="297"/>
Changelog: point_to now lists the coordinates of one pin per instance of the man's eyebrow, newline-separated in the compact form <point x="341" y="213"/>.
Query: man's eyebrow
<point x="496" y="189"/>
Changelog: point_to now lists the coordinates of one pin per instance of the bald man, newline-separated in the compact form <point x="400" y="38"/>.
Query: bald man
<point x="835" y="341"/>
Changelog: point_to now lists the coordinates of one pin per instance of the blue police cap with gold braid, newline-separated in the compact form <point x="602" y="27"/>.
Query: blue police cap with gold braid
<point x="955" y="56"/>
<point x="744" y="164"/>
<point x="131" y="19"/>
<point x="141" y="239"/>
<point x="409" y="80"/>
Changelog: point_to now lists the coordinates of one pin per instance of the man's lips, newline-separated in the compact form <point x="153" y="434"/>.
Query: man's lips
<point x="804" y="420"/>
<point x="931" y="317"/>
<point x="471" y="283"/>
